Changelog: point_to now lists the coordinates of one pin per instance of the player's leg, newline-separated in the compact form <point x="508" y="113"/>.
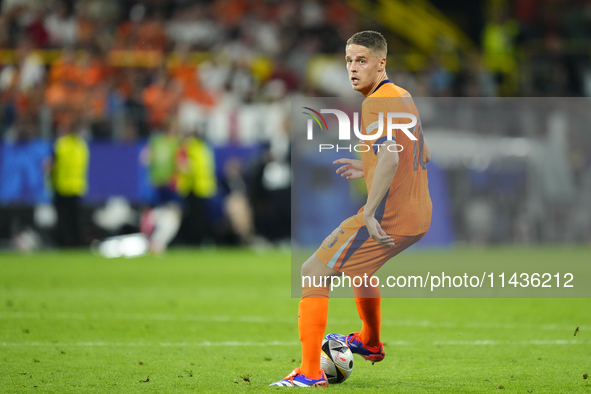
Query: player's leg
<point x="366" y="260"/>
<point x="313" y="312"/>
<point x="168" y="220"/>
<point x="367" y="342"/>
<point x="313" y="308"/>
<point x="368" y="301"/>
<point x="312" y="317"/>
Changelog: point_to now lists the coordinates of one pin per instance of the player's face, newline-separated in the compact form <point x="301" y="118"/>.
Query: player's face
<point x="365" y="68"/>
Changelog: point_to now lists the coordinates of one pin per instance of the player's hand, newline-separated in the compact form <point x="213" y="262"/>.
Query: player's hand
<point x="352" y="169"/>
<point x="376" y="232"/>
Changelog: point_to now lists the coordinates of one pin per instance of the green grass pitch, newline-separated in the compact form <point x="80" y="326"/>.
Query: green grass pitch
<point x="222" y="321"/>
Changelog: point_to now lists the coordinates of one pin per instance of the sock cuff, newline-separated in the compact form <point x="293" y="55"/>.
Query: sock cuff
<point x="314" y="292"/>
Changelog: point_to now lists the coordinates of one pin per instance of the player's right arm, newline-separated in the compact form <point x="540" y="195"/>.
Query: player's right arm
<point x="352" y="169"/>
<point x="382" y="179"/>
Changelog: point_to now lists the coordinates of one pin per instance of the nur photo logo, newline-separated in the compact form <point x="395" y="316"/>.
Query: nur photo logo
<point x="373" y="132"/>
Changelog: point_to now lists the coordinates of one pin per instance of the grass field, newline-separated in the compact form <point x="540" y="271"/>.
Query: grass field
<point x="222" y="321"/>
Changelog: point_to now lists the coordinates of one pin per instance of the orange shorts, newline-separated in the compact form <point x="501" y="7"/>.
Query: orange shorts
<point x="351" y="250"/>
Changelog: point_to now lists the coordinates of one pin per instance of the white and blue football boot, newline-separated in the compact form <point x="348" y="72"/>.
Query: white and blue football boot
<point x="370" y="353"/>
<point x="297" y="379"/>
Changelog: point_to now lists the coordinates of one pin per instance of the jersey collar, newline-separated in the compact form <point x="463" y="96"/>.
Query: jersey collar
<point x="385" y="81"/>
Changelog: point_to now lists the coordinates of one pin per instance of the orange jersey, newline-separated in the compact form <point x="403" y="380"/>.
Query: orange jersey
<point x="406" y="207"/>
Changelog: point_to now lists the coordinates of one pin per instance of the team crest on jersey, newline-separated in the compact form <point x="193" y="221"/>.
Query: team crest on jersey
<point x="372" y="127"/>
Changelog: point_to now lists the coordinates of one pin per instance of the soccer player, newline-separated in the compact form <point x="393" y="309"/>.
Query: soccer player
<point x="161" y="155"/>
<point x="396" y="215"/>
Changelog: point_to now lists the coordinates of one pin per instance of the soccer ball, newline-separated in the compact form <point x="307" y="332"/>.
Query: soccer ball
<point x="337" y="360"/>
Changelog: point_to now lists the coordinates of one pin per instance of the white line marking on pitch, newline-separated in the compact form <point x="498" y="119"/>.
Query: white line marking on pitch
<point x="139" y="344"/>
<point x="288" y="320"/>
<point x="292" y="343"/>
<point x="528" y="342"/>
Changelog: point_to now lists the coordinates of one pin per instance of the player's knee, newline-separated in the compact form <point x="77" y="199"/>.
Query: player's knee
<point x="307" y="269"/>
<point x="314" y="267"/>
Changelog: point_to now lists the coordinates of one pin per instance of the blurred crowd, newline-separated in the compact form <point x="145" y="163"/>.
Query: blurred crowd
<point x="120" y="68"/>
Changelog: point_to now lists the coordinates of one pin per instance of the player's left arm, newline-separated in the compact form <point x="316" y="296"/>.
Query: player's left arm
<point x="382" y="178"/>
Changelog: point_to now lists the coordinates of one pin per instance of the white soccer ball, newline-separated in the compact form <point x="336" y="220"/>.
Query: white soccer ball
<point x="337" y="360"/>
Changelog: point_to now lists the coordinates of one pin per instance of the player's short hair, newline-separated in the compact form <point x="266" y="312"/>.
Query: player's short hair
<point x="371" y="39"/>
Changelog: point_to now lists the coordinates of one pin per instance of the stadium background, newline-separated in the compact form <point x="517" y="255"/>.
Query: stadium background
<point x="217" y="318"/>
<point x="228" y="70"/>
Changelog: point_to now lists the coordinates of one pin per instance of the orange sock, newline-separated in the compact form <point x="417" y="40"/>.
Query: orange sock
<point x="313" y="313"/>
<point x="370" y="312"/>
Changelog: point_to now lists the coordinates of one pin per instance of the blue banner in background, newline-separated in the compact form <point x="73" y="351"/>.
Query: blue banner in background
<point x="442" y="230"/>
<point x="321" y="199"/>
<point x="114" y="169"/>
<point x="21" y="172"/>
